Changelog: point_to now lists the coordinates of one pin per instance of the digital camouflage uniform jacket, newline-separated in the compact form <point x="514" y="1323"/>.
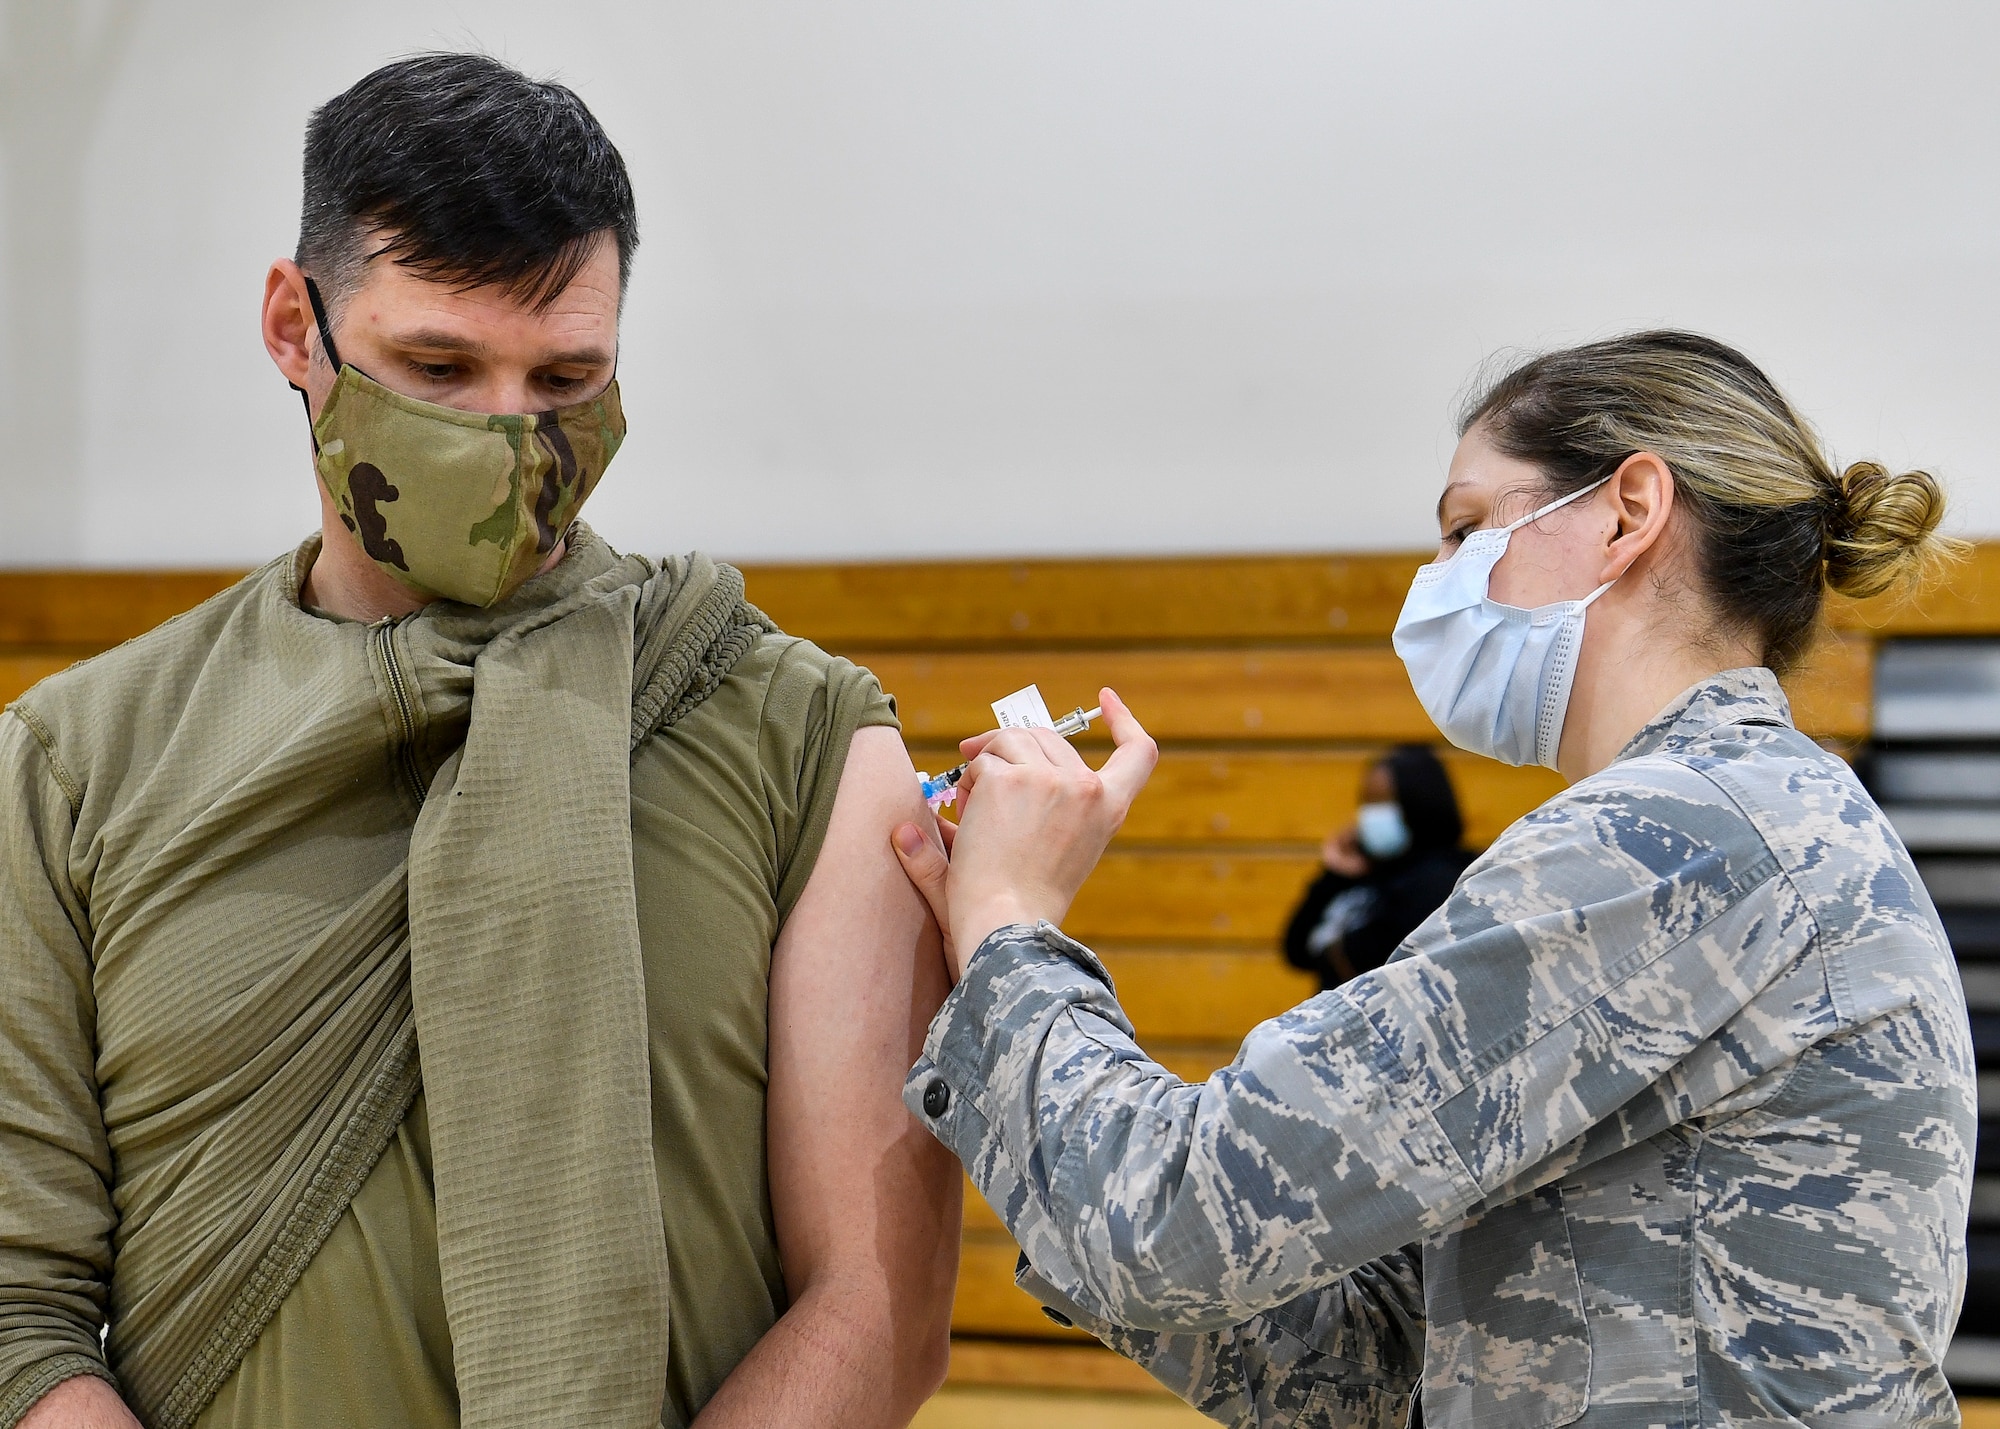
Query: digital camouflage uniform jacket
<point x="1666" y="1118"/>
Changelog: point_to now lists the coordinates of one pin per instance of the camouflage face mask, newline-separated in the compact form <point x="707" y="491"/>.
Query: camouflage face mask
<point x="462" y="505"/>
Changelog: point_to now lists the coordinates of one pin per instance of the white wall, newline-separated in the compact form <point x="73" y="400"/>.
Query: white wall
<point x="1069" y="275"/>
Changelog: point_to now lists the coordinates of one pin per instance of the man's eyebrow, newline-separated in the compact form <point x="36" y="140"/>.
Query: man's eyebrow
<point x="439" y="340"/>
<point x="578" y="357"/>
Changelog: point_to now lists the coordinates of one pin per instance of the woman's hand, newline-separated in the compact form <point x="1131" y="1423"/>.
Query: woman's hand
<point x="1034" y="820"/>
<point x="1342" y="853"/>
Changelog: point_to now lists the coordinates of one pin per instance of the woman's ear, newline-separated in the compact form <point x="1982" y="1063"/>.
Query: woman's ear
<point x="1642" y="496"/>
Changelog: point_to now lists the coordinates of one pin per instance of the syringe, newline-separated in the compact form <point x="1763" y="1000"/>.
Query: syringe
<point x="940" y="790"/>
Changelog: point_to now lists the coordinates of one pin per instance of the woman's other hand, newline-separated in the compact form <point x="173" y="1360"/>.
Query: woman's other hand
<point x="1342" y="853"/>
<point x="927" y="862"/>
<point x="1033" y="821"/>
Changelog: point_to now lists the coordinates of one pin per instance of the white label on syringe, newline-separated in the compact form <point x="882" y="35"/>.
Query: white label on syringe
<point x="1023" y="710"/>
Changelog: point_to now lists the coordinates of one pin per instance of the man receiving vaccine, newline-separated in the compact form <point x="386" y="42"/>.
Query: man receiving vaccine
<point x="460" y="974"/>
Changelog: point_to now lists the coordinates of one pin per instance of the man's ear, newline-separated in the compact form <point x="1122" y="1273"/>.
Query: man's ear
<point x="1642" y="495"/>
<point x="288" y="321"/>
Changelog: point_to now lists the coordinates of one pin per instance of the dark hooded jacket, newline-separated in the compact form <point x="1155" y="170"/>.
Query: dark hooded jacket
<point x="1359" y="921"/>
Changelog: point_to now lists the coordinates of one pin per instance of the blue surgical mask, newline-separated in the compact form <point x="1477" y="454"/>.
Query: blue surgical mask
<point x="1495" y="679"/>
<point x="1382" y="832"/>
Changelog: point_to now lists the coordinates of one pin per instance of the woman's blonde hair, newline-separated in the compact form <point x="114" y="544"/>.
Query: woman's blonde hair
<point x="1775" y="525"/>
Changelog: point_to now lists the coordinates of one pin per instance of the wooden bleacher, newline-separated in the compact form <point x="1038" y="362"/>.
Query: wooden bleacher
<point x="1270" y="684"/>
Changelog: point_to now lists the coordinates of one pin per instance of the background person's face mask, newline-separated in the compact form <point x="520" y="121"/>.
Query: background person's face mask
<point x="1381" y="831"/>
<point x="463" y="505"/>
<point x="1494" y="678"/>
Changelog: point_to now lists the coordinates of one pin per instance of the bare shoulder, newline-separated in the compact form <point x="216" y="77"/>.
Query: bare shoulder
<point x="879" y="780"/>
<point x="857" y="868"/>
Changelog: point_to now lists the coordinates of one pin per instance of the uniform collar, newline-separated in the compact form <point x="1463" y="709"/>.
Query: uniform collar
<point x="1750" y="695"/>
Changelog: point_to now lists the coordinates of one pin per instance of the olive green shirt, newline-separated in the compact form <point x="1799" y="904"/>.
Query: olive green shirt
<point x="729" y="809"/>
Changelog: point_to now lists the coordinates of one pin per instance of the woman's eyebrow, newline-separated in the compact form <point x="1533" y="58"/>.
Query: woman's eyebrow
<point x="1446" y="496"/>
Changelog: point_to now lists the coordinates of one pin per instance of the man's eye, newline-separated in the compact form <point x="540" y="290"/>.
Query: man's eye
<point x="557" y="382"/>
<point x="1456" y="536"/>
<point x="435" y="371"/>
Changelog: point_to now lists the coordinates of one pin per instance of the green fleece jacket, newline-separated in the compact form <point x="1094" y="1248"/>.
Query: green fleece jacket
<point x="269" y="879"/>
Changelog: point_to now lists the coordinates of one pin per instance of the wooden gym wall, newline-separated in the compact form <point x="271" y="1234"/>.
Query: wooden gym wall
<point x="1270" y="684"/>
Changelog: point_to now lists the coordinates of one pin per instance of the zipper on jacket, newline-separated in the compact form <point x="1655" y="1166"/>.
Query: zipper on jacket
<point x="406" y="713"/>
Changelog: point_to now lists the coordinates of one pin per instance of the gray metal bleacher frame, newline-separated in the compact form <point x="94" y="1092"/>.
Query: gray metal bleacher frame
<point x="1934" y="765"/>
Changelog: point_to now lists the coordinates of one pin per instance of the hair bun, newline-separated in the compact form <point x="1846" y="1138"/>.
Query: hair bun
<point x="1884" y="529"/>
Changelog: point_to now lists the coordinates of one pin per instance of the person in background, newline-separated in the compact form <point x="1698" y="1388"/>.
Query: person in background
<point x="1385" y="874"/>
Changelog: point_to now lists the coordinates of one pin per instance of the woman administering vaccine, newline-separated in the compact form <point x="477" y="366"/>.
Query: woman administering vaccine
<point x="1665" y="1118"/>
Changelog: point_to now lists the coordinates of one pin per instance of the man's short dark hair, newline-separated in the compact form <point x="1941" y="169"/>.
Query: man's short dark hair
<point x="469" y="173"/>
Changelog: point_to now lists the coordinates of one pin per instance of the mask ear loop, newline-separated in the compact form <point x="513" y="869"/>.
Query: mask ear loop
<point x="326" y="345"/>
<point x="326" y="329"/>
<point x="1587" y="600"/>
<point x="1556" y="505"/>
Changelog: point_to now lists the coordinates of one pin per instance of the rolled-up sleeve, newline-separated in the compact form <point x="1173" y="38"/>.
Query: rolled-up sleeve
<point x="56" y="1215"/>
<point x="1583" y="958"/>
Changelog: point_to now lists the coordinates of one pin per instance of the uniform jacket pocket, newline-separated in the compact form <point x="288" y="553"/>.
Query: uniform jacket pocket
<point x="1508" y="1347"/>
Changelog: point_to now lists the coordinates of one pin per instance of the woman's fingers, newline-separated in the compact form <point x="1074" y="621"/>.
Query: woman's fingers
<point x="1123" y="776"/>
<point x="1131" y="764"/>
<point x="1004" y="746"/>
<point x="1025" y="746"/>
<point x="1057" y="750"/>
<point x="1034" y="820"/>
<point x="926" y="866"/>
<point x="1017" y="744"/>
<point x="975" y="769"/>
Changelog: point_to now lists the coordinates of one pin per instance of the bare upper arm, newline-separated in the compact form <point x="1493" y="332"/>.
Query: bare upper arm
<point x="858" y="1188"/>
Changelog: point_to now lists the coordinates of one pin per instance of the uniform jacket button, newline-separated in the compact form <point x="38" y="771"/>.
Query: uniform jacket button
<point x="937" y="1096"/>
